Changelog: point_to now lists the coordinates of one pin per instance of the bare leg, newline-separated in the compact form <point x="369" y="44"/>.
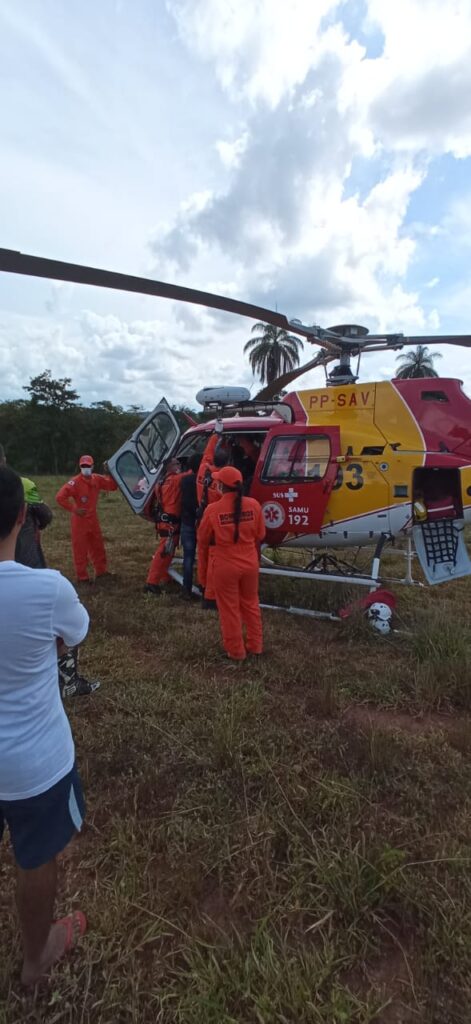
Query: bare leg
<point x="43" y="943"/>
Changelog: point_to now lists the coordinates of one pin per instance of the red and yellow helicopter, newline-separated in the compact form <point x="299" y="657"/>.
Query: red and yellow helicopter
<point x="347" y="465"/>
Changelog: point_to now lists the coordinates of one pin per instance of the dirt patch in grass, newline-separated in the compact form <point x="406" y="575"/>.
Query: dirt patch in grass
<point x="455" y="729"/>
<point x="390" y="974"/>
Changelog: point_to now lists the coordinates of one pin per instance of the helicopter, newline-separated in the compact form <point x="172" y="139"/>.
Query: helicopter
<point x="348" y="465"/>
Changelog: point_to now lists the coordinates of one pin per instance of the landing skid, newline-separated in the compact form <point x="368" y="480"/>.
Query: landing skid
<point x="365" y="580"/>
<point x="327" y="568"/>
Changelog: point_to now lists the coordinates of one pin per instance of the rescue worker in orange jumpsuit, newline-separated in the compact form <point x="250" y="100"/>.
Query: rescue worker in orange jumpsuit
<point x="235" y="526"/>
<point x="207" y="491"/>
<point x="168" y="497"/>
<point x="80" y="497"/>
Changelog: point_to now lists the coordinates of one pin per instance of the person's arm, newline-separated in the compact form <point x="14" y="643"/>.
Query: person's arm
<point x="106" y="483"/>
<point x="42" y="514"/>
<point x="70" y="619"/>
<point x="64" y="495"/>
<point x="206" y="463"/>
<point x="205" y="535"/>
<point x="177" y="495"/>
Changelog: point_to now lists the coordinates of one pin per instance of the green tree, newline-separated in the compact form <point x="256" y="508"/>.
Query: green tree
<point x="417" y="363"/>
<point x="52" y="415"/>
<point x="45" y="390"/>
<point x="272" y="351"/>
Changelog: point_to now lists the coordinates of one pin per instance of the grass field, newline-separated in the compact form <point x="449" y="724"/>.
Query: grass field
<point x="282" y="843"/>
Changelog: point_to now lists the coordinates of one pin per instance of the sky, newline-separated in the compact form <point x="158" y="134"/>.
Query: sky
<point x="313" y="157"/>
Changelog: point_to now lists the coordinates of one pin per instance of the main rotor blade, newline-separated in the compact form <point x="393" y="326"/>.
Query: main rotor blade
<point x="36" y="266"/>
<point x="397" y="340"/>
<point x="464" y="340"/>
<point x="275" y="386"/>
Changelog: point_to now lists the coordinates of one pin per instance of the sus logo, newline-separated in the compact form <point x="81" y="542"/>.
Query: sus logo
<point x="273" y="514"/>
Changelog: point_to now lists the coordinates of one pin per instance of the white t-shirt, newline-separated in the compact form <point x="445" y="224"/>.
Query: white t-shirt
<point x="36" y="745"/>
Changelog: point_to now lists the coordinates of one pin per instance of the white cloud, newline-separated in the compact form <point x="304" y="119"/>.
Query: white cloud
<point x="261" y="49"/>
<point x="433" y="320"/>
<point x="415" y="96"/>
<point x="131" y="362"/>
<point x="232" y="152"/>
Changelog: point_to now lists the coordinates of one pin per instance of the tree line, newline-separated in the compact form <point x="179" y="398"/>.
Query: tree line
<point x="47" y="432"/>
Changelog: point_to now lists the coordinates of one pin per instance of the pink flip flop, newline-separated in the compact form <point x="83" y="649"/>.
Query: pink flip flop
<point x="75" y="925"/>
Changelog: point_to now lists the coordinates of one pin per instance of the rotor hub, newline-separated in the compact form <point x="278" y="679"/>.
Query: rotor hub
<point x="350" y="340"/>
<point x="350" y="331"/>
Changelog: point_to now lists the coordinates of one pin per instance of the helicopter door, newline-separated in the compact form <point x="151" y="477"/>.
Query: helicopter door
<point x="295" y="474"/>
<point x="137" y="465"/>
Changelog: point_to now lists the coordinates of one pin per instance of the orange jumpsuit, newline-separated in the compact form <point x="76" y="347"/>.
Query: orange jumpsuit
<point x="207" y="464"/>
<point x="213" y="494"/>
<point x="87" y="539"/>
<point x="169" y="496"/>
<point x="236" y="566"/>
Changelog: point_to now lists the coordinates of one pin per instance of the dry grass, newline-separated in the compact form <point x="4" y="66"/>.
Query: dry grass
<point x="283" y="843"/>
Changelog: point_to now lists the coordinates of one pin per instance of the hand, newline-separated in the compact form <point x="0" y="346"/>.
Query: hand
<point x="218" y="427"/>
<point x="79" y="512"/>
<point x="105" y="468"/>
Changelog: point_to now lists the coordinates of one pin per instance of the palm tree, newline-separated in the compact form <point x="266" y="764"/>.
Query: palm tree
<point x="417" y="363"/>
<point x="272" y="351"/>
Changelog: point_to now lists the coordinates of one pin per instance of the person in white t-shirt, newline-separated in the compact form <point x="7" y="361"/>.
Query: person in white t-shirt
<point x="41" y="797"/>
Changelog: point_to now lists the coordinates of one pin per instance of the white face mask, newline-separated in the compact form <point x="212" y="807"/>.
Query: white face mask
<point x="86" y="470"/>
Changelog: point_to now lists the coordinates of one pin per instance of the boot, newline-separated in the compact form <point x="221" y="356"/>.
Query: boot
<point x="70" y="682"/>
<point x="152" y="588"/>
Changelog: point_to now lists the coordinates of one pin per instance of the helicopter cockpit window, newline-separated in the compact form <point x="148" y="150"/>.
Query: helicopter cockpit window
<point x="193" y="445"/>
<point x="155" y="441"/>
<point x="297" y="458"/>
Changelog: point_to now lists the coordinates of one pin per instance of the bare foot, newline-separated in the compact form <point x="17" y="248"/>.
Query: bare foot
<point x="63" y="937"/>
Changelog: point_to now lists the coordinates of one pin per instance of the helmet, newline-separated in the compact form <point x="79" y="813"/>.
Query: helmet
<point x="86" y="460"/>
<point x="380" y="616"/>
<point x="381" y="626"/>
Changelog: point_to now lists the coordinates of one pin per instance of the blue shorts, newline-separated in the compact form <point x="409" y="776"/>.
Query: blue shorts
<point x="41" y="826"/>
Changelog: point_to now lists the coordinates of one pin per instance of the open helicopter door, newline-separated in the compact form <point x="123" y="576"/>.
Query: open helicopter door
<point x="295" y="474"/>
<point x="138" y="464"/>
<point x="438" y="528"/>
